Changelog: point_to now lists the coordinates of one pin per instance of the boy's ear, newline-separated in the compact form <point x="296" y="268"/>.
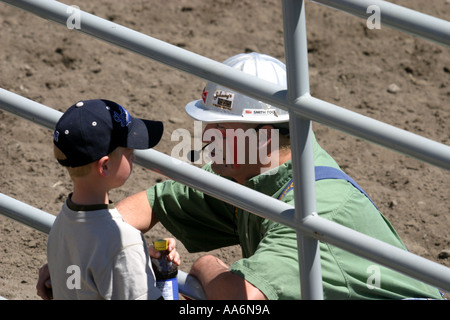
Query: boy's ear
<point x="103" y="166"/>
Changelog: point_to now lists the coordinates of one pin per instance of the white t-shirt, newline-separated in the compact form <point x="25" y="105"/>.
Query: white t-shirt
<point x="93" y="254"/>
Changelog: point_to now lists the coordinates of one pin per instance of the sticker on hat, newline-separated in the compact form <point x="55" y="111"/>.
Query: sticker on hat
<point x="204" y="95"/>
<point x="259" y="112"/>
<point x="223" y="99"/>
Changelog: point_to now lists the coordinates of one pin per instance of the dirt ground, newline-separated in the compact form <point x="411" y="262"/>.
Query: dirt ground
<point x="382" y="73"/>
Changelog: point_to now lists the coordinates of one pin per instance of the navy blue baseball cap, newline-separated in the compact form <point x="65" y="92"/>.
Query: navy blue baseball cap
<point x="91" y="129"/>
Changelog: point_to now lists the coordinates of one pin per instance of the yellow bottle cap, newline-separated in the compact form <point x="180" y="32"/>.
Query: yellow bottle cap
<point x="161" y="245"/>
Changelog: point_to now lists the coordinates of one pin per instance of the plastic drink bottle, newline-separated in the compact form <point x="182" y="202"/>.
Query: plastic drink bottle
<point x="165" y="272"/>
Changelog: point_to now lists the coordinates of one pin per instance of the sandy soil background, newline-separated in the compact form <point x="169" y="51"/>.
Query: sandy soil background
<point x="382" y="73"/>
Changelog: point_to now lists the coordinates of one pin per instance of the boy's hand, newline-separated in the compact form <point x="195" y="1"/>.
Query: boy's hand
<point x="44" y="286"/>
<point x="173" y="255"/>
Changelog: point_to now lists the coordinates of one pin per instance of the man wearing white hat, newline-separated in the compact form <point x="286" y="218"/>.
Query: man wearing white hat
<point x="269" y="267"/>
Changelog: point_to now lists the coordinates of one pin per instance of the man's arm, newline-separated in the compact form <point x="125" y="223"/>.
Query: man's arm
<point x="137" y="212"/>
<point x="219" y="283"/>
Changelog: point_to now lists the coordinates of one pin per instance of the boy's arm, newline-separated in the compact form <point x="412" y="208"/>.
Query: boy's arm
<point x="137" y="212"/>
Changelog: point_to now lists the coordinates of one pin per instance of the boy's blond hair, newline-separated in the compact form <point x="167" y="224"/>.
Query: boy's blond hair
<point x="76" y="172"/>
<point x="81" y="171"/>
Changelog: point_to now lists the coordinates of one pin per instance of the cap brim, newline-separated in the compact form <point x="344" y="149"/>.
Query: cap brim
<point x="144" y="134"/>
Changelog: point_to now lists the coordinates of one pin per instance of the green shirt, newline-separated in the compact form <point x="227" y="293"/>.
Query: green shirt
<point x="269" y="249"/>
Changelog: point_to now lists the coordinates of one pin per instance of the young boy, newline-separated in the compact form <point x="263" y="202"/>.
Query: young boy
<point x="92" y="253"/>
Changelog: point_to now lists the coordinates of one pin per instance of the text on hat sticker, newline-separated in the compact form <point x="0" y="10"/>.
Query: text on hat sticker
<point x="223" y="99"/>
<point x="260" y="112"/>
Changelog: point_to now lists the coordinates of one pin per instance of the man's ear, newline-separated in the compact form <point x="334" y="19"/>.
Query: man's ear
<point x="265" y="136"/>
<point x="268" y="147"/>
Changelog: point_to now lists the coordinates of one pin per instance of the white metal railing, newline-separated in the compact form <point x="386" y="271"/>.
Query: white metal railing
<point x="303" y="109"/>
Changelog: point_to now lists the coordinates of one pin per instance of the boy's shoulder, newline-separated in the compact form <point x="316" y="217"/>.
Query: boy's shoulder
<point x="130" y="235"/>
<point x="103" y="223"/>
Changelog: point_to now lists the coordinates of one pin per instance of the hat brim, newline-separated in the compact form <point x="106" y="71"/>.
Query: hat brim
<point x="196" y="110"/>
<point x="144" y="134"/>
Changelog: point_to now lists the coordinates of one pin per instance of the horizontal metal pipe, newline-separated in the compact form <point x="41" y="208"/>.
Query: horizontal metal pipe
<point x="29" y="109"/>
<point x="326" y="113"/>
<point x="375" y="131"/>
<point x="363" y="127"/>
<point x="217" y="186"/>
<point x="396" y="17"/>
<point x="189" y="286"/>
<point x="272" y="209"/>
<point x="26" y="214"/>
<point x="367" y="247"/>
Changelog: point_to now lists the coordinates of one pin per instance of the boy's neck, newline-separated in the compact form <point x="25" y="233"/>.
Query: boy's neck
<point x="89" y="194"/>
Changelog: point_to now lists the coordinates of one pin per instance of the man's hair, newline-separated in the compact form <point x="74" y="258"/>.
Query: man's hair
<point x="283" y="130"/>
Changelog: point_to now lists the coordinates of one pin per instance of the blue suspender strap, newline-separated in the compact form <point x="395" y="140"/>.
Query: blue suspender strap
<point x="287" y="189"/>
<point x="324" y="172"/>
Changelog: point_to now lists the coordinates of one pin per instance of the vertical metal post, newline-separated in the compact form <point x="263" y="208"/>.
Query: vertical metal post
<point x="301" y="146"/>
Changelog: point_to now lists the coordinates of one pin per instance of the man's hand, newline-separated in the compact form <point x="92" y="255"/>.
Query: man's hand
<point x="44" y="285"/>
